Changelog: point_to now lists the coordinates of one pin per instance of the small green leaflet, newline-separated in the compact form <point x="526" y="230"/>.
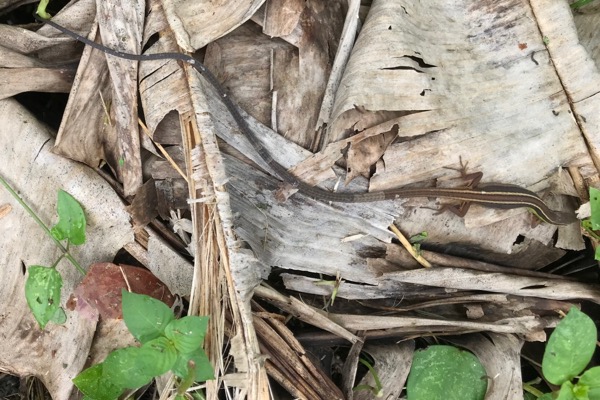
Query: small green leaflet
<point x="145" y="317"/>
<point x="570" y="347"/>
<point x="95" y="385"/>
<point x="446" y="372"/>
<point x="42" y="291"/>
<point x="204" y="370"/>
<point x="187" y="333"/>
<point x="71" y="220"/>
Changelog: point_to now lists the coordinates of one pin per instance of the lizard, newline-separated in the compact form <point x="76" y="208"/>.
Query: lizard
<point x="492" y="195"/>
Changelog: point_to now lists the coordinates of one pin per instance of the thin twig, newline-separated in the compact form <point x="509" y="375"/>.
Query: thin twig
<point x="408" y="246"/>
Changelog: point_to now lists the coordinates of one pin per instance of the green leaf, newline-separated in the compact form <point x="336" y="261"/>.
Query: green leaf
<point x="157" y="356"/>
<point x="595" y="207"/>
<point x="591" y="378"/>
<point x="71" y="220"/>
<point x="204" y="370"/>
<point x="59" y="317"/>
<point x="566" y="392"/>
<point x="95" y="386"/>
<point x="580" y="392"/>
<point x="145" y="317"/>
<point x="570" y="347"/>
<point x="446" y="372"/>
<point x="133" y="367"/>
<point x="580" y="3"/>
<point x="42" y="291"/>
<point x="187" y="333"/>
<point x="123" y="368"/>
<point x="418" y="238"/>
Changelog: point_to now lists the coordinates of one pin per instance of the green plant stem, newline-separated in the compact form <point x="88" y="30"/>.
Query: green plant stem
<point x="42" y="225"/>
<point x="587" y="225"/>
<point x="41" y="10"/>
<point x="528" y="388"/>
<point x="188" y="380"/>
<point x="378" y="387"/>
<point x="198" y="395"/>
<point x="57" y="261"/>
